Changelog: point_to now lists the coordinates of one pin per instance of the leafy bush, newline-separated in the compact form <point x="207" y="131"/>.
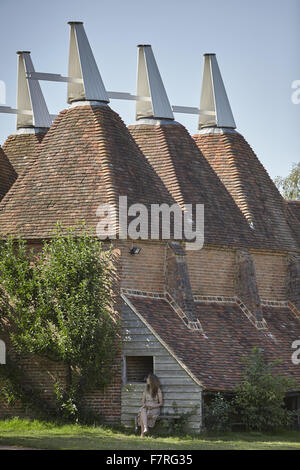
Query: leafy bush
<point x="217" y="414"/>
<point x="66" y="403"/>
<point x="259" y="398"/>
<point x="180" y="423"/>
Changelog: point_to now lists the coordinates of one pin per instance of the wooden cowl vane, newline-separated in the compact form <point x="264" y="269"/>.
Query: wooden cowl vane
<point x="239" y="169"/>
<point x="33" y="118"/>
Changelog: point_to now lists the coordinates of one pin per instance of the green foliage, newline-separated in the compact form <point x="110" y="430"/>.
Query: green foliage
<point x="66" y="402"/>
<point x="59" y="305"/>
<point x="290" y="186"/>
<point x="71" y="408"/>
<point x="259" y="398"/>
<point x="217" y="414"/>
<point x="179" y="424"/>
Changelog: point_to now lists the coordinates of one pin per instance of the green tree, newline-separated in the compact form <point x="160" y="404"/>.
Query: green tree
<point x="59" y="303"/>
<point x="259" y="398"/>
<point x="290" y="186"/>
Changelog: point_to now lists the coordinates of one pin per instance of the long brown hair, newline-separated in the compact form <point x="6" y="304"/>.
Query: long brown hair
<point x="153" y="386"/>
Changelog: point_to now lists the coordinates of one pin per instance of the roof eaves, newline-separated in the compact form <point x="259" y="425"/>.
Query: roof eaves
<point x="170" y="351"/>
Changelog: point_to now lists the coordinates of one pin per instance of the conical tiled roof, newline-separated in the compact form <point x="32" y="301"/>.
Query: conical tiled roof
<point x="88" y="157"/>
<point x="7" y="174"/>
<point x="191" y="180"/>
<point x="21" y="148"/>
<point x="250" y="186"/>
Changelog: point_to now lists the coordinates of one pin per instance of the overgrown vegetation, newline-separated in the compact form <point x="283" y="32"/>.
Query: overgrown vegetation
<point x="260" y="397"/>
<point x="217" y="414"/>
<point x="176" y="426"/>
<point x="58" y="304"/>
<point x="258" y="402"/>
<point x="179" y="426"/>
<point x="290" y="185"/>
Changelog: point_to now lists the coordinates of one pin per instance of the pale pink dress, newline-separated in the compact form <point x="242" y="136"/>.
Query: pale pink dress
<point x="151" y="414"/>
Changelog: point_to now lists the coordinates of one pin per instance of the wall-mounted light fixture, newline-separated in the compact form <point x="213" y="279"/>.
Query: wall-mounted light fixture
<point x="135" y="250"/>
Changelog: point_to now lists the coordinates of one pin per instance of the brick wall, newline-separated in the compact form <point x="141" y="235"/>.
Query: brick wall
<point x="271" y="275"/>
<point x="212" y="271"/>
<point x="40" y="374"/>
<point x="107" y="402"/>
<point x="144" y="271"/>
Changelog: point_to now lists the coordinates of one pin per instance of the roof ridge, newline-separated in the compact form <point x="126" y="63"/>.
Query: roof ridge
<point x="111" y="192"/>
<point x="239" y="190"/>
<point x="177" y="192"/>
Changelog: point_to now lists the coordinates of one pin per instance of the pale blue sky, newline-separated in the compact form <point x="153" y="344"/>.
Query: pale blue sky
<point x="256" y="42"/>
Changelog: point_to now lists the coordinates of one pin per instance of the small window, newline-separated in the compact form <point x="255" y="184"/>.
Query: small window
<point x="138" y="368"/>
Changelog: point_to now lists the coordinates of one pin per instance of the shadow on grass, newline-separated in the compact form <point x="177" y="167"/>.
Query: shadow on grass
<point x="90" y="441"/>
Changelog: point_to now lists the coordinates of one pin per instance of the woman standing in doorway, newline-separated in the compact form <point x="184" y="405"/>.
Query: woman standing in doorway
<point x="151" y="403"/>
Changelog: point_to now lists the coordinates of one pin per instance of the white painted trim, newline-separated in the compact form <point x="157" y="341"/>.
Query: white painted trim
<point x="31" y="130"/>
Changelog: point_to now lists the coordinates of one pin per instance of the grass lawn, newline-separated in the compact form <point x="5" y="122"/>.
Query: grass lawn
<point x="44" y="435"/>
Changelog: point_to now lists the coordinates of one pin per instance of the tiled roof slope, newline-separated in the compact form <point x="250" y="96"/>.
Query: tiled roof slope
<point x="190" y="179"/>
<point x="7" y="174"/>
<point x="251" y="187"/>
<point x="215" y="357"/>
<point x="295" y="208"/>
<point x="21" y="148"/>
<point x="88" y="157"/>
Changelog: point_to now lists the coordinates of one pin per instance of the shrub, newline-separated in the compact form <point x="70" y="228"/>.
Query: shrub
<point x="217" y="414"/>
<point x="259" y="398"/>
